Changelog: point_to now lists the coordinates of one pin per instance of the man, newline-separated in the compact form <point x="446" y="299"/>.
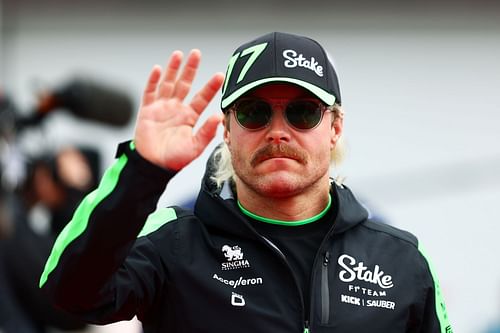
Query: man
<point x="273" y="245"/>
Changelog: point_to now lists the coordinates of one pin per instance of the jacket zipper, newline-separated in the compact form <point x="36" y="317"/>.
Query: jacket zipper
<point x="283" y="257"/>
<point x="325" y="290"/>
<point x="324" y="286"/>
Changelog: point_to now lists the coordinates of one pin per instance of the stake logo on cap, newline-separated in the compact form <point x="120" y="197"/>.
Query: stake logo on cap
<point x="281" y="57"/>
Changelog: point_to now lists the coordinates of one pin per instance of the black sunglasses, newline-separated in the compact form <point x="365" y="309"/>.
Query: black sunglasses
<point x="302" y="114"/>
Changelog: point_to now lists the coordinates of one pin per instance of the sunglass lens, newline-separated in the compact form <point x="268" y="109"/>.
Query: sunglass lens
<point x="303" y="114"/>
<point x="253" y="114"/>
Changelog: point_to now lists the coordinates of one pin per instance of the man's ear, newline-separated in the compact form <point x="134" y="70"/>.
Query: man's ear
<point x="336" y="130"/>
<point x="225" y="122"/>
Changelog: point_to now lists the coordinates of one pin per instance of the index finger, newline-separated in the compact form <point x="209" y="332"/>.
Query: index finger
<point x="150" y="90"/>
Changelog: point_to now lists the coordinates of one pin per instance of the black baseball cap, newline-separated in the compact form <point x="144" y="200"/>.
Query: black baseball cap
<point x="281" y="57"/>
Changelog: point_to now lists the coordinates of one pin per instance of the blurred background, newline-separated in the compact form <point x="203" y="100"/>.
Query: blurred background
<point x="420" y="83"/>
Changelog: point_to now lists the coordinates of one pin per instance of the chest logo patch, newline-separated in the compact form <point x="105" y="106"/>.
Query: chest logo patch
<point x="355" y="273"/>
<point x="353" y="270"/>
<point x="234" y="257"/>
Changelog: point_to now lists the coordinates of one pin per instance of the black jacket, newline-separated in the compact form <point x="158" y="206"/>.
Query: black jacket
<point x="210" y="271"/>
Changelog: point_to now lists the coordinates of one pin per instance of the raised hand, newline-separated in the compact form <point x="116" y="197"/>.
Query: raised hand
<point x="164" y="129"/>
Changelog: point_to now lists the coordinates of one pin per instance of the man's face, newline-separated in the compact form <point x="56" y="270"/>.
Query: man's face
<point x="278" y="160"/>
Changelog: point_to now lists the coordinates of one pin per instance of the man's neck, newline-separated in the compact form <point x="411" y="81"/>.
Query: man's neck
<point x="301" y="206"/>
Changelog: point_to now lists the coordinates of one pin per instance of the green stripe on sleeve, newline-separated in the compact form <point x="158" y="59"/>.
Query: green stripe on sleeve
<point x="80" y="219"/>
<point x="157" y="219"/>
<point x="439" y="301"/>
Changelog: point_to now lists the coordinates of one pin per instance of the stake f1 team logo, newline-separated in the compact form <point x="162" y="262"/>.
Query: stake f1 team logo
<point x="234" y="256"/>
<point x="353" y="270"/>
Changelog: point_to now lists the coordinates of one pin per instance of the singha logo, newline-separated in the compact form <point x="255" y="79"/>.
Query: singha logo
<point x="234" y="256"/>
<point x="232" y="253"/>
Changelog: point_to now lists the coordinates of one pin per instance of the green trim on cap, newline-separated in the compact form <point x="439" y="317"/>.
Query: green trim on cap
<point x="287" y="223"/>
<point x="326" y="97"/>
<point x="439" y="301"/>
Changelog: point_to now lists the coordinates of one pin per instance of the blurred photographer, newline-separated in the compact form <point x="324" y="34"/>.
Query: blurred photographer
<point x="54" y="184"/>
<point x="38" y="195"/>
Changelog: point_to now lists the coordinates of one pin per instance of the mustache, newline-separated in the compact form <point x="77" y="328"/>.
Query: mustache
<point x="278" y="150"/>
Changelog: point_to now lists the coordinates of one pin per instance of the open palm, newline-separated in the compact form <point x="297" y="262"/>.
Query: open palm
<point x="164" y="130"/>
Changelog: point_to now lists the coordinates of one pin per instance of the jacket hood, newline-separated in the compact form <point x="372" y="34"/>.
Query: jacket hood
<point x="218" y="206"/>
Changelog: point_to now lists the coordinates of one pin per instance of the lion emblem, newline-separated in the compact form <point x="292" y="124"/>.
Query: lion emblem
<point x="232" y="253"/>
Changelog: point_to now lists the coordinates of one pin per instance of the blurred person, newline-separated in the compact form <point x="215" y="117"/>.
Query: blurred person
<point x="38" y="195"/>
<point x="58" y="183"/>
<point x="273" y="244"/>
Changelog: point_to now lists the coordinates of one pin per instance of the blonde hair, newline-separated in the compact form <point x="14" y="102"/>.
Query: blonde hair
<point x="222" y="156"/>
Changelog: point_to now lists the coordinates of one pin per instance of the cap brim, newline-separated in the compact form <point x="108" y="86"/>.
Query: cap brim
<point x="324" y="96"/>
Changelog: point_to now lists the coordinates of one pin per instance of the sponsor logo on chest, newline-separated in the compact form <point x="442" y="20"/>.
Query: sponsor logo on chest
<point x="235" y="260"/>
<point x="234" y="257"/>
<point x="353" y="270"/>
<point x="355" y="273"/>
